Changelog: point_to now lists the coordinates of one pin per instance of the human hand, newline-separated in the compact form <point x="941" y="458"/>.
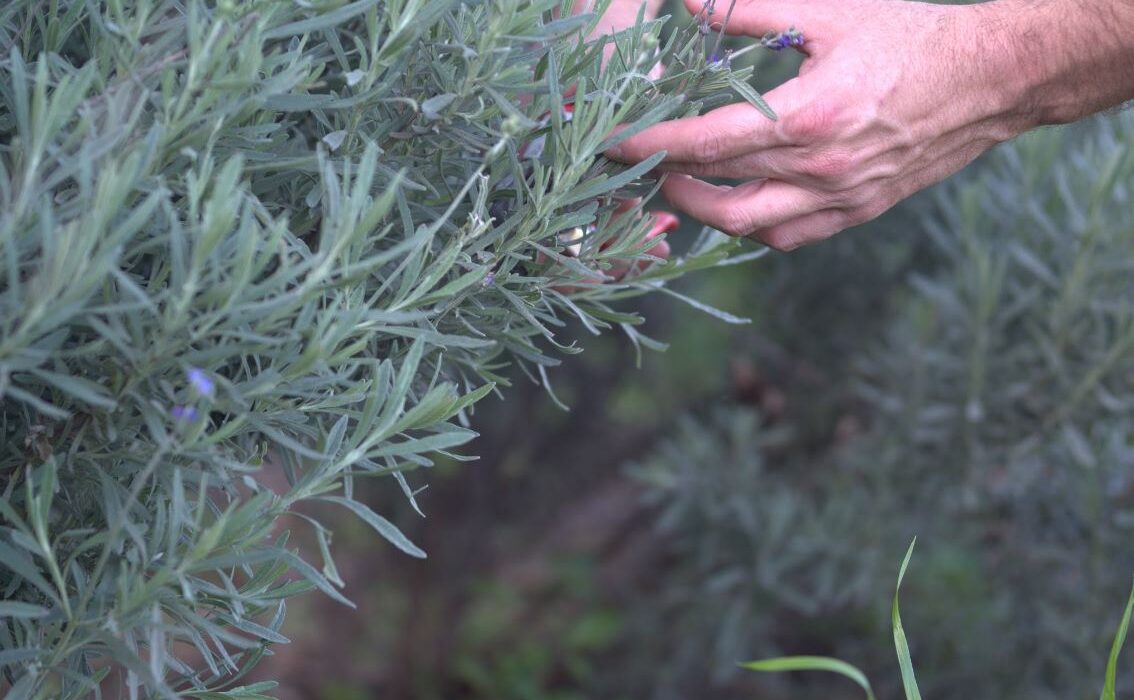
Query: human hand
<point x="893" y="96"/>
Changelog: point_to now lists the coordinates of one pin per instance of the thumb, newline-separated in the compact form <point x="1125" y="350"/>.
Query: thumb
<point x="818" y="20"/>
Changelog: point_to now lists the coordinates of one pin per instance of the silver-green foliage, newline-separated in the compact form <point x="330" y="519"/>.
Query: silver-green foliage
<point x="996" y="413"/>
<point x="292" y="235"/>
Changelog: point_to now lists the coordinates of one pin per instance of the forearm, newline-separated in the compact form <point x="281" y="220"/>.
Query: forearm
<point x="1062" y="59"/>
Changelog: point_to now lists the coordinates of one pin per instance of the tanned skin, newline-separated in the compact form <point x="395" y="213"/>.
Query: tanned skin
<point x="893" y="96"/>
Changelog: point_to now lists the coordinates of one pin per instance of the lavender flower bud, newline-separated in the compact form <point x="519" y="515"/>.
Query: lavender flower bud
<point x="184" y="414"/>
<point x="200" y="382"/>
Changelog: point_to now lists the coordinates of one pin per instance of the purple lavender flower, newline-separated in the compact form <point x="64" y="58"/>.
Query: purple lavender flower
<point x="489" y="279"/>
<point x="782" y="40"/>
<point x="184" y="414"/>
<point x="200" y="382"/>
<point x="703" y="16"/>
<point x="724" y="62"/>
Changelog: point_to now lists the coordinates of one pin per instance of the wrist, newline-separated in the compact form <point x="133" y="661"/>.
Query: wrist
<point x="1059" y="60"/>
<point x="991" y="76"/>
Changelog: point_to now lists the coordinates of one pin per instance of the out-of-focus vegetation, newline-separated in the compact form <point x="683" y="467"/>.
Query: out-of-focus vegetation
<point x="991" y="416"/>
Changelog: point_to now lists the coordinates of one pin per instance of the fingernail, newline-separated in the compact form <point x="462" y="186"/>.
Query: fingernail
<point x="664" y="222"/>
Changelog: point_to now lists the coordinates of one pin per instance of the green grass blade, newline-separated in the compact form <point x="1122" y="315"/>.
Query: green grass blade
<point x="812" y="663"/>
<point x="1115" y="648"/>
<point x="909" y="682"/>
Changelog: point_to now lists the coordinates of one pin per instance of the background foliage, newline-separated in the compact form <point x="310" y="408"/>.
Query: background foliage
<point x="989" y="416"/>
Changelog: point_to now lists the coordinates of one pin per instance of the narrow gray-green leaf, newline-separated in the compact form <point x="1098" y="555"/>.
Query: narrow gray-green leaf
<point x="383" y="526"/>
<point x="320" y="22"/>
<point x="77" y="387"/>
<point x="701" y="306"/>
<point x="26" y="611"/>
<point x="605" y="184"/>
<point x="751" y="96"/>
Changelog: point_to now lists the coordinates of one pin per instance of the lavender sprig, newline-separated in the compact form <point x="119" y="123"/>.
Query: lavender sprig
<point x="777" y="41"/>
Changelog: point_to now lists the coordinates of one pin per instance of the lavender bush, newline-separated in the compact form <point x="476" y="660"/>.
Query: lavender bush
<point x="252" y="252"/>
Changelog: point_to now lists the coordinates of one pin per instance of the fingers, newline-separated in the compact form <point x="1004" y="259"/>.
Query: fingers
<point x="726" y="132"/>
<point x="723" y="133"/>
<point x="809" y="228"/>
<point x="779" y="214"/>
<point x="663" y="223"/>
<point x="745" y="209"/>
<point x="771" y="164"/>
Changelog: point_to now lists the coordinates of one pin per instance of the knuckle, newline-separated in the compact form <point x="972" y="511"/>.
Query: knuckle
<point x="736" y="222"/>
<point x="832" y="167"/>
<point x="628" y="150"/>
<point x="867" y="211"/>
<point x="779" y="240"/>
<point x="836" y="225"/>
<point x="709" y="147"/>
<point x="810" y="124"/>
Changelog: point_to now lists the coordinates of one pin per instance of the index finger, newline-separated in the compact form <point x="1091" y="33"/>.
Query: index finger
<point x="724" y="133"/>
